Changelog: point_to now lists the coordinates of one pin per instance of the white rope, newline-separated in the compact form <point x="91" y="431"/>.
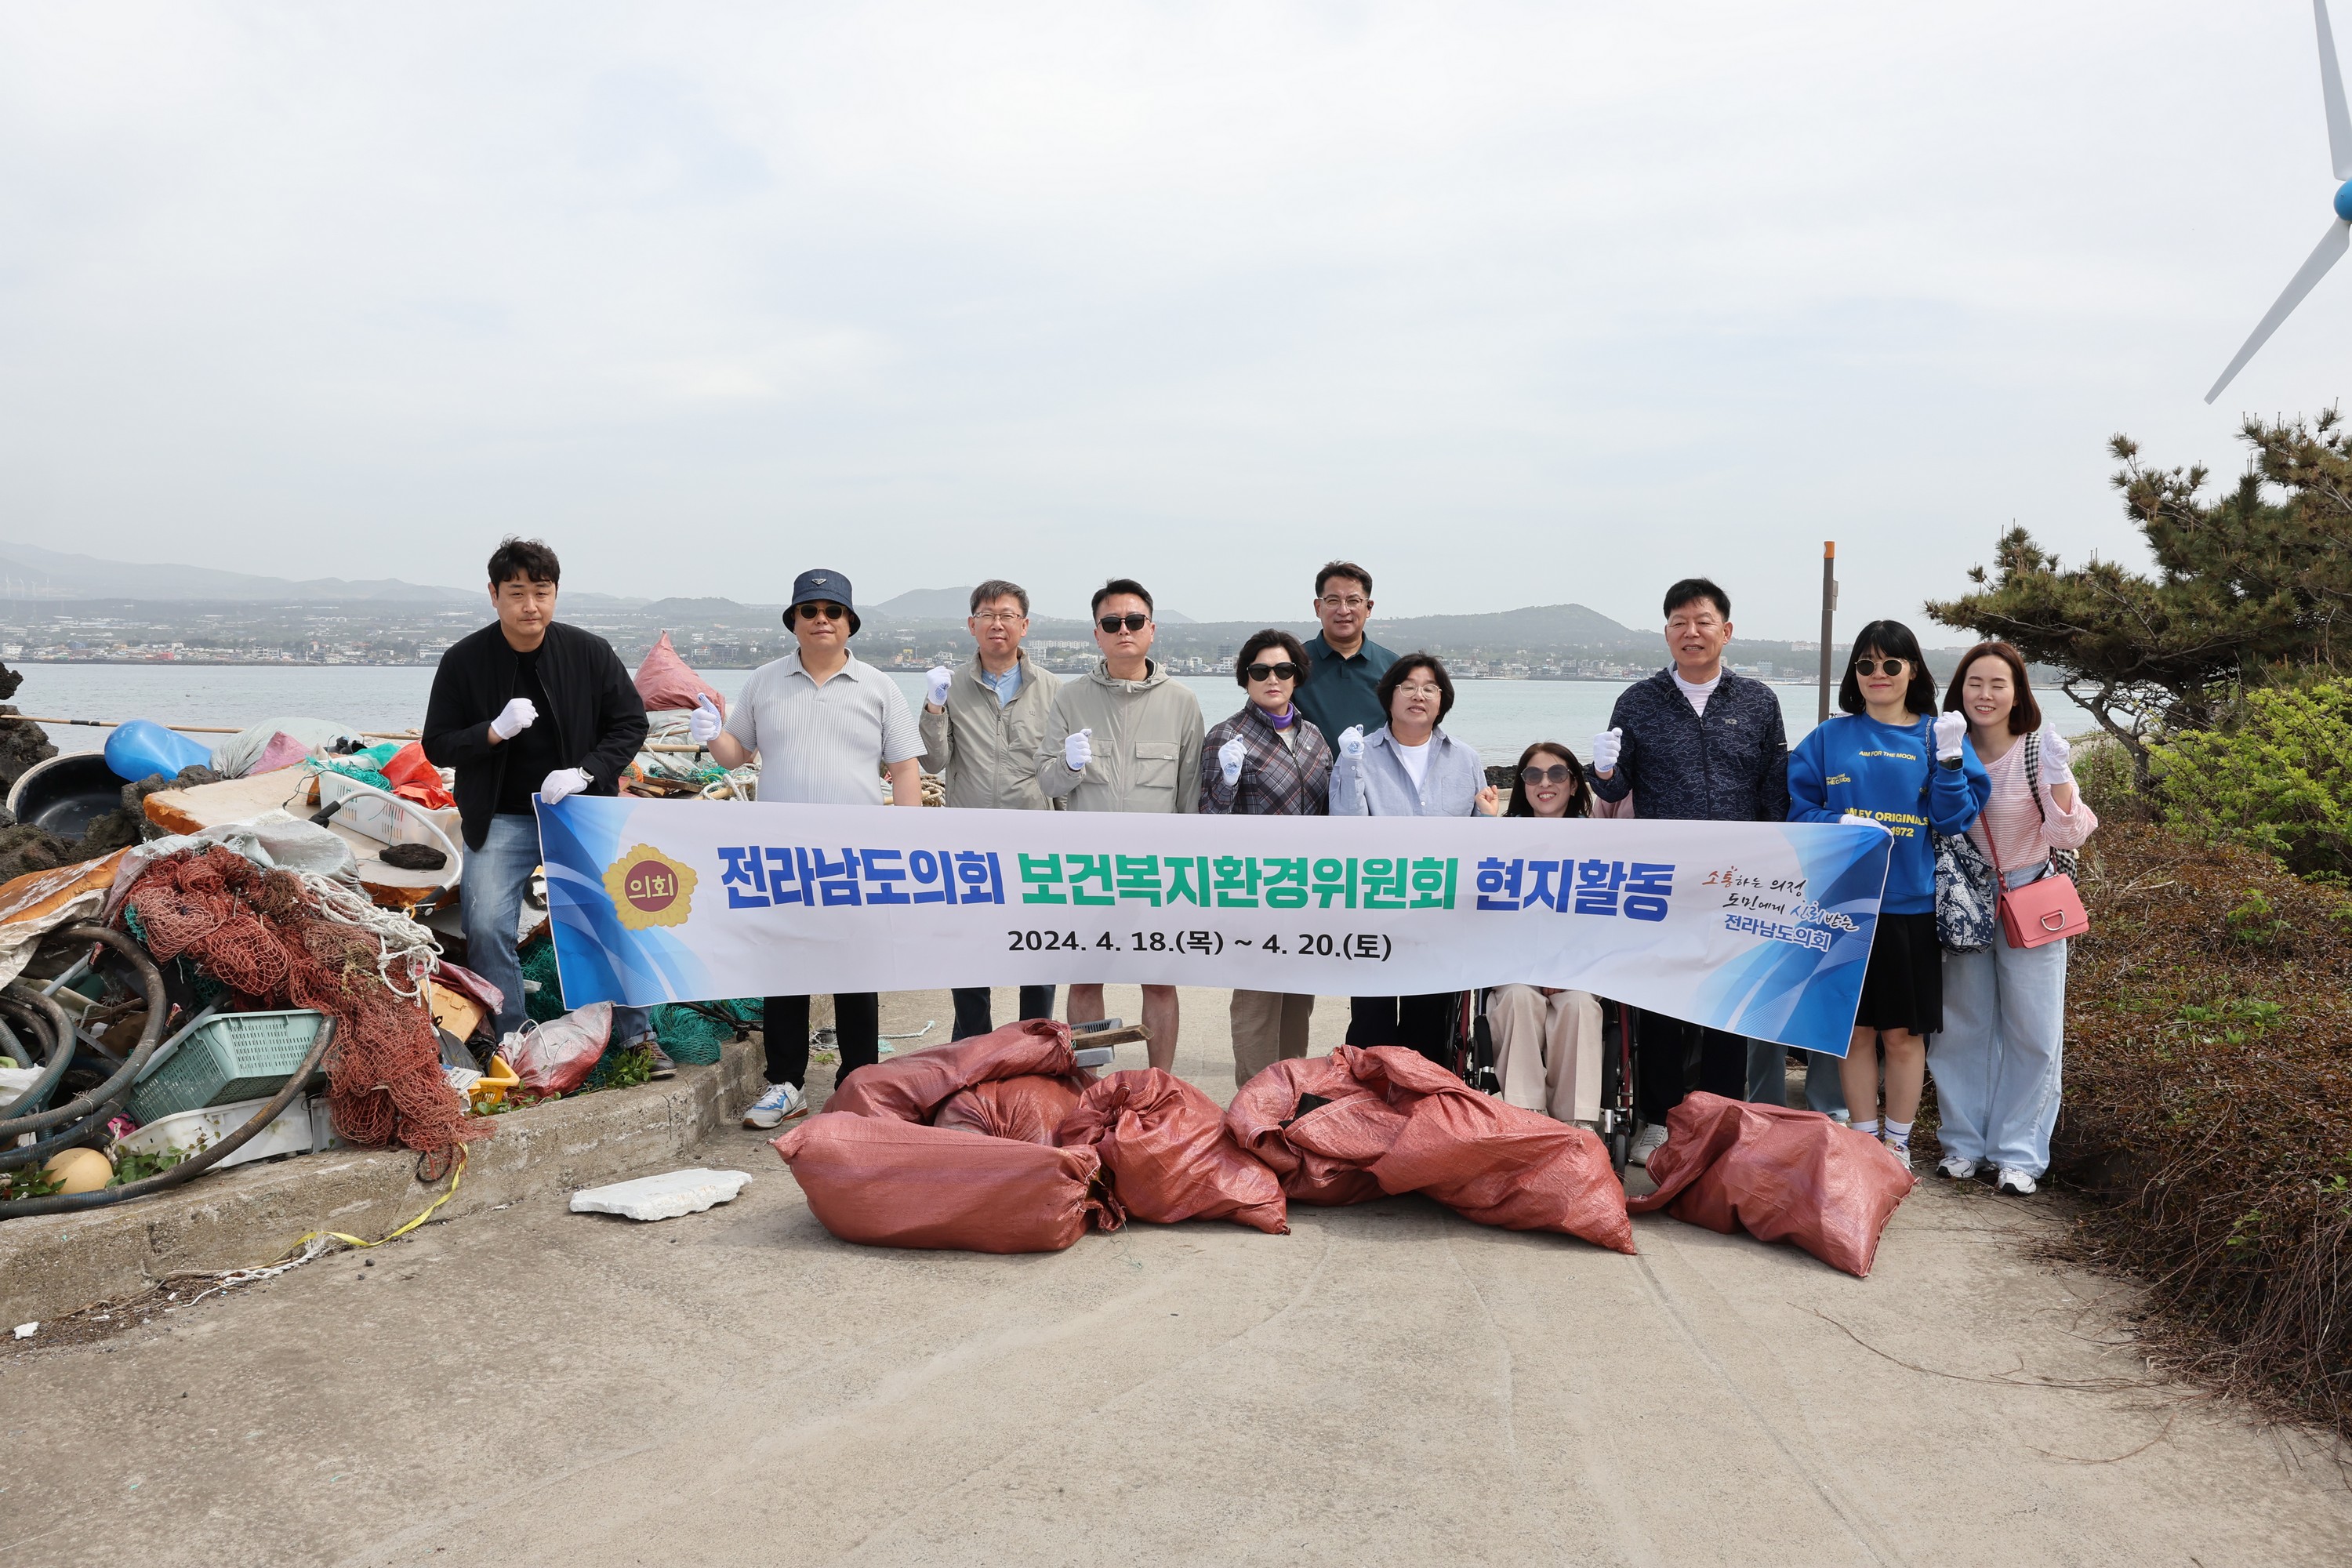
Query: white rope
<point x="403" y="945"/>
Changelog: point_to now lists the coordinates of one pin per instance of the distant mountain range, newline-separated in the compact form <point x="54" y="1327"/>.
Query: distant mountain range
<point x="29" y="571"/>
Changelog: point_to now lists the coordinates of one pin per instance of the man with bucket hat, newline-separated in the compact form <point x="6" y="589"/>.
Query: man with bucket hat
<point x="825" y="726"/>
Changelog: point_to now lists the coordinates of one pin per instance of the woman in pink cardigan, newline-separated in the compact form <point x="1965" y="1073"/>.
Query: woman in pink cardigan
<point x="1997" y="1060"/>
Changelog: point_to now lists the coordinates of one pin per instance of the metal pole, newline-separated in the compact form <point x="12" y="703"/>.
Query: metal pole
<point x="1828" y="619"/>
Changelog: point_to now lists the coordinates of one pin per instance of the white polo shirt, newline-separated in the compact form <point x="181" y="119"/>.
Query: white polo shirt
<point x="823" y="745"/>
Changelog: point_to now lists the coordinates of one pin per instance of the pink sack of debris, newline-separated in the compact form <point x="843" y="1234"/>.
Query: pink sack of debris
<point x="665" y="681"/>
<point x="910" y="1086"/>
<point x="283" y="752"/>
<point x="1780" y="1175"/>
<point x="1170" y="1157"/>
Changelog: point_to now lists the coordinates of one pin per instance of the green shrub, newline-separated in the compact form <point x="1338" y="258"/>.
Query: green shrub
<point x="2103" y="772"/>
<point x="2278" y="778"/>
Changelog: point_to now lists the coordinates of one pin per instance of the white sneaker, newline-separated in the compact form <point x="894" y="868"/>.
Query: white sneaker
<point x="1647" y="1143"/>
<point x="781" y="1103"/>
<point x="1898" y="1147"/>
<point x="1959" y="1167"/>
<point x="2015" y="1181"/>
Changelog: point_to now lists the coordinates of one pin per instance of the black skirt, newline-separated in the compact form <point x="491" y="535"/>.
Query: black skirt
<point x="1903" y="988"/>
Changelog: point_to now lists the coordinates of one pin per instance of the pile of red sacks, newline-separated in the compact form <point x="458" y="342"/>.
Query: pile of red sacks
<point x="1002" y="1143"/>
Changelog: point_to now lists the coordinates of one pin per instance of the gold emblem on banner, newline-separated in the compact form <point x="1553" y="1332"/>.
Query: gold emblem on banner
<point x="649" y="888"/>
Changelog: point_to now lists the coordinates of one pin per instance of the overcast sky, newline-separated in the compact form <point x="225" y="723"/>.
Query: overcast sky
<point x="1516" y="304"/>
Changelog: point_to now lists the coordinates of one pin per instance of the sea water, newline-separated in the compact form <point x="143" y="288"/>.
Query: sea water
<point x="1499" y="717"/>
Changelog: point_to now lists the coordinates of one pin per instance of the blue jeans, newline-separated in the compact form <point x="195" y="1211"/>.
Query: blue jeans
<point x="489" y="904"/>
<point x="2001" y="1057"/>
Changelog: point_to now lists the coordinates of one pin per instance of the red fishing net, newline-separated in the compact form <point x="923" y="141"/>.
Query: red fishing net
<point x="272" y="940"/>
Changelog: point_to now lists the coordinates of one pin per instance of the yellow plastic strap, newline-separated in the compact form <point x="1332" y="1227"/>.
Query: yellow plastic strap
<point x="456" y="1174"/>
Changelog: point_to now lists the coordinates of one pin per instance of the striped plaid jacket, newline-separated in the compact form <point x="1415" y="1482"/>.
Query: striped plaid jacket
<point x="1276" y="780"/>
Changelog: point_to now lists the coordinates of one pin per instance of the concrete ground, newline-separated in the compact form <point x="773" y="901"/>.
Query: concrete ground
<point x="1387" y="1384"/>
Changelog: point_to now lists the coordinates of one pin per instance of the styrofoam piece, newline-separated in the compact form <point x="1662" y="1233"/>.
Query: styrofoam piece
<point x="665" y="1196"/>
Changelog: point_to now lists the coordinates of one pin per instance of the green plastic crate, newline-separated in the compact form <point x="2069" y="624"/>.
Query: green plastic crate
<point x="238" y="1055"/>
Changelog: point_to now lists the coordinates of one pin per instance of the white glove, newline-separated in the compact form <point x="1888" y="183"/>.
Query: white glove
<point x="514" y="718"/>
<point x="938" y="676"/>
<point x="1860" y="821"/>
<point x="1229" y="757"/>
<point x="1351" y="741"/>
<point x="706" y="722"/>
<point x="1078" y="750"/>
<point x="1606" y="747"/>
<point x="1952" y="729"/>
<point x="562" y="782"/>
<point x="2058" y="754"/>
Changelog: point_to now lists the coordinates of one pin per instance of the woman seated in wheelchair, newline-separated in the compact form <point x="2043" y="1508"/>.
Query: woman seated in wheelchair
<point x="1547" y="1042"/>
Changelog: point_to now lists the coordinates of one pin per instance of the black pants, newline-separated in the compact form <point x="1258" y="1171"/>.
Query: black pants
<point x="856" y="1029"/>
<point x="1669" y="1053"/>
<point x="972" y="1017"/>
<point x="1417" y="1021"/>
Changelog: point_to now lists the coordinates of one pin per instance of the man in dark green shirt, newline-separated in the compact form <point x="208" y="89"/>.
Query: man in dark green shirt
<point x="1348" y="665"/>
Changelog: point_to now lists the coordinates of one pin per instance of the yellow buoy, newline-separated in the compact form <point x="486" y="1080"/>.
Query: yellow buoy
<point x="82" y="1170"/>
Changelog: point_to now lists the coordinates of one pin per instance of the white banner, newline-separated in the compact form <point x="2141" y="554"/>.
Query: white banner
<point x="1762" y="929"/>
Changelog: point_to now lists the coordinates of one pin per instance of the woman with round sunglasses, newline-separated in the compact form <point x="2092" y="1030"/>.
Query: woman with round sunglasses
<point x="1887" y="759"/>
<point x="1547" y="1040"/>
<point x="1268" y="761"/>
<point x="1997" y="1061"/>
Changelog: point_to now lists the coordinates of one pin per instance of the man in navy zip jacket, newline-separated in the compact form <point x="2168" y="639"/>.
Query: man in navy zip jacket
<point x="1695" y="742"/>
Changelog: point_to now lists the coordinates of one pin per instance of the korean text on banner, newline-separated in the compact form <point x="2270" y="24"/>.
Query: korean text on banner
<point x="1762" y="928"/>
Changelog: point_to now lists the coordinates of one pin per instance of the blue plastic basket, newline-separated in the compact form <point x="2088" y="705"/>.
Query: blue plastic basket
<point x="238" y="1055"/>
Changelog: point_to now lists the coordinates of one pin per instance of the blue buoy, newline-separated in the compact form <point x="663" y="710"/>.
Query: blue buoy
<point x="2344" y="200"/>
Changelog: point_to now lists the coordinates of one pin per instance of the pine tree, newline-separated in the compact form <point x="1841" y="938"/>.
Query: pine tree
<point x="2247" y="591"/>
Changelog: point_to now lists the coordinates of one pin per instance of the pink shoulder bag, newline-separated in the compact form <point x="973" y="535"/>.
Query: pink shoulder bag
<point x="2046" y="910"/>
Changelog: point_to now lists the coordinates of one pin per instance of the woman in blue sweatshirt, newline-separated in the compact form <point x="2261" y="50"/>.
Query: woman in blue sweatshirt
<point x="1886" y="759"/>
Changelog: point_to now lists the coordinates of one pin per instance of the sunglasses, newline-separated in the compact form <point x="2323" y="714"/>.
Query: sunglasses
<point x="1559" y="773"/>
<point x="1286" y="670"/>
<point x="1134" y="621"/>
<point x="1869" y="666"/>
<point x="823" y="613"/>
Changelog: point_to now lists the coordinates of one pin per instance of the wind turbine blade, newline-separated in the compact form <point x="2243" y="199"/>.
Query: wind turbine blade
<point x="2331" y="88"/>
<point x="2332" y="246"/>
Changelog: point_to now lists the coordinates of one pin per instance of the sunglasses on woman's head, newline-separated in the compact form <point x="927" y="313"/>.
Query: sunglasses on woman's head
<point x="1285" y="670"/>
<point x="1869" y="666"/>
<point x="1559" y="773"/>
<point x="1134" y="621"/>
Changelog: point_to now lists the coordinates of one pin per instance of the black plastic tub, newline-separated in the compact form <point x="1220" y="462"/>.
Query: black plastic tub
<point x="62" y="795"/>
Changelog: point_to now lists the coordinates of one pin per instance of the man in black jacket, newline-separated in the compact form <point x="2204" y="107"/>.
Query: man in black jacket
<point x="1696" y="742"/>
<point x="526" y="706"/>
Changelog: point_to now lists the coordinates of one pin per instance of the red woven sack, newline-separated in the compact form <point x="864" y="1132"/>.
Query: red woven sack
<point x="1170" y="1157"/>
<point x="1028" y="1108"/>
<point x="884" y="1182"/>
<point x="909" y="1088"/>
<point x="1319" y="1157"/>
<point x="666" y="681"/>
<point x="1489" y="1162"/>
<point x="1778" y="1174"/>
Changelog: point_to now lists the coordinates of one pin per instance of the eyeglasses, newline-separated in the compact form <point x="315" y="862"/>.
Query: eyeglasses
<point x="1134" y="621"/>
<point x="824" y="612"/>
<point x="1892" y="665"/>
<point x="1286" y="670"/>
<point x="1558" y="772"/>
<point x="997" y="617"/>
<point x="1420" y="688"/>
<point x="1352" y="602"/>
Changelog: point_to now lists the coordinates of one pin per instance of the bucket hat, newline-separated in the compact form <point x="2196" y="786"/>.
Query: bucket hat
<point x="822" y="586"/>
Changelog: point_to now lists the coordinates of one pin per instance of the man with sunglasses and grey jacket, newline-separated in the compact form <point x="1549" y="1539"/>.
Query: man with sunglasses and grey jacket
<point x="1125" y="737"/>
<point x="981" y="727"/>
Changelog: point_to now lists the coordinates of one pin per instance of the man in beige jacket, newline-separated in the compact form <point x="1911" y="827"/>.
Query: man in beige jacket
<point x="982" y="726"/>
<point x="1125" y="737"/>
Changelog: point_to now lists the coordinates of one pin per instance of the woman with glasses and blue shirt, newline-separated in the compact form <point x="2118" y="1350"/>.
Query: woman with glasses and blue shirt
<point x="1889" y="760"/>
<point x="1267" y="760"/>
